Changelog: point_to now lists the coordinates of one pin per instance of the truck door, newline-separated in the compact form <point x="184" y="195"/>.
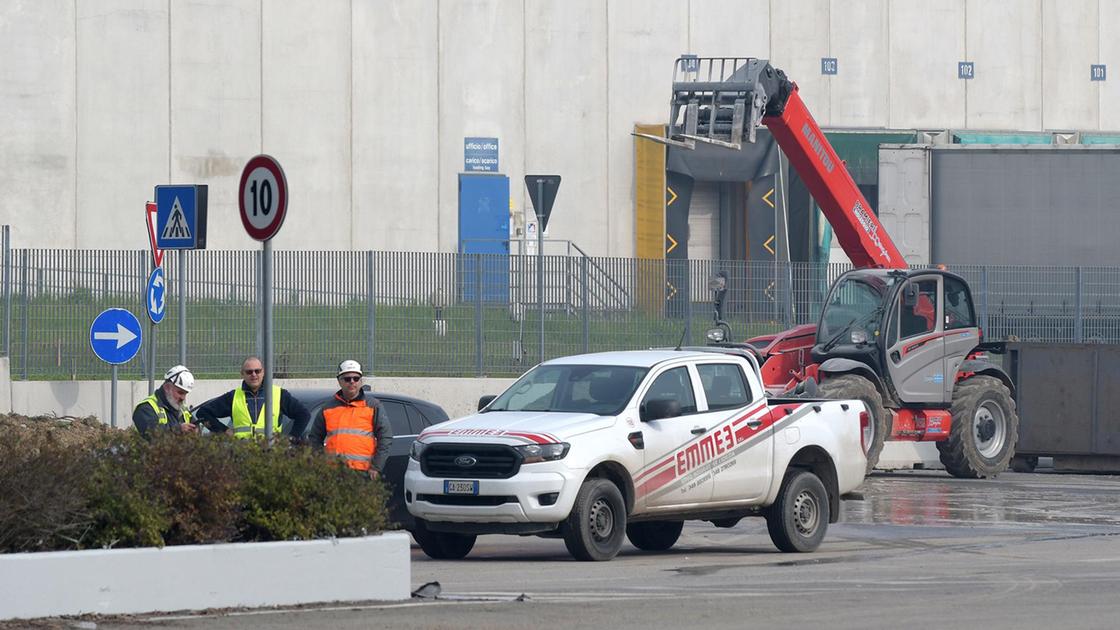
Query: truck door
<point x="667" y="481"/>
<point x="740" y="437"/>
<point x="961" y="331"/>
<point x="916" y="341"/>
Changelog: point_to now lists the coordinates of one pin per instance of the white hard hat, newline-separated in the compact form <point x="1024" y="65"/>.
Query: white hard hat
<point x="180" y="377"/>
<point x="349" y="366"/>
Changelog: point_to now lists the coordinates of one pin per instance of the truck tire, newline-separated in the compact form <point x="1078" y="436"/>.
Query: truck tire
<point x="654" y="535"/>
<point x="985" y="428"/>
<point x="595" y="528"/>
<point x="798" y="520"/>
<point x="854" y="386"/>
<point x="443" y="545"/>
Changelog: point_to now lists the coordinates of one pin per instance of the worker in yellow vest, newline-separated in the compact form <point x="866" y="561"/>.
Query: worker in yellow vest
<point x="245" y="407"/>
<point x="166" y="409"/>
<point x="353" y="425"/>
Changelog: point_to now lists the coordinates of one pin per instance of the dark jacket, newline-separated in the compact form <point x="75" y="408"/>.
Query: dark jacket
<point x="145" y="418"/>
<point x="382" y="432"/>
<point x="222" y="407"/>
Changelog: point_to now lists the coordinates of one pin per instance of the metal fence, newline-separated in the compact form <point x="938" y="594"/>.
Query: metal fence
<point x="408" y="313"/>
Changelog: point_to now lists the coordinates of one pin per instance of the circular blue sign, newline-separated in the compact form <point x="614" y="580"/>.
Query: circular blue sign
<point x="115" y="336"/>
<point x="155" y="298"/>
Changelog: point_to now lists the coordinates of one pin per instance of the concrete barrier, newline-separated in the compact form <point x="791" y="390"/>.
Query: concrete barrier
<point x="5" y="385"/>
<point x="457" y="396"/>
<point x="194" y="577"/>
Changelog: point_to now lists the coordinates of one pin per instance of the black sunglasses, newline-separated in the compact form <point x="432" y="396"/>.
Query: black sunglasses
<point x="350" y="379"/>
<point x="256" y="371"/>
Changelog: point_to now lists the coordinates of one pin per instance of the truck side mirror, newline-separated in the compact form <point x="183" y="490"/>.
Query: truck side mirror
<point x="657" y="409"/>
<point x="910" y="295"/>
<point x="485" y="400"/>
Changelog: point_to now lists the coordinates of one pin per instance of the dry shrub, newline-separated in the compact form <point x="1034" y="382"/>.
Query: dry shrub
<point x="42" y="500"/>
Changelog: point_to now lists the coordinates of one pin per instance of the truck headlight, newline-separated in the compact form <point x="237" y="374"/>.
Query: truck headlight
<point x="417" y="449"/>
<point x="715" y="335"/>
<point x="859" y="336"/>
<point x="533" y="453"/>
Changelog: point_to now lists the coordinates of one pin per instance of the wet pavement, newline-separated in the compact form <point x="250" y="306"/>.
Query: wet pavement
<point x="920" y="550"/>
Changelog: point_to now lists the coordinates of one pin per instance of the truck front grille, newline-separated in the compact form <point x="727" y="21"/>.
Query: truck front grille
<point x="490" y="461"/>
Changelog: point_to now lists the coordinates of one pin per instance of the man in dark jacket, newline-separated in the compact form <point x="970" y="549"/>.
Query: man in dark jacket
<point x="166" y="409"/>
<point x="353" y="424"/>
<point x="245" y="406"/>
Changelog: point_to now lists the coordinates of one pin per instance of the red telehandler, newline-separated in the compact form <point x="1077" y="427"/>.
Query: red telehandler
<point x="905" y="341"/>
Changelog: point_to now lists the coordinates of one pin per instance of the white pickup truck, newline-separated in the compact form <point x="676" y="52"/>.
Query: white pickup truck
<point x="595" y="447"/>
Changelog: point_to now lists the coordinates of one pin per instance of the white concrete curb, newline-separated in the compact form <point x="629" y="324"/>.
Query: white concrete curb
<point x="194" y="577"/>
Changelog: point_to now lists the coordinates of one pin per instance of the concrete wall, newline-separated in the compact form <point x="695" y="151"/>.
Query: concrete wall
<point x="366" y="104"/>
<point x="457" y="396"/>
<point x="186" y="577"/>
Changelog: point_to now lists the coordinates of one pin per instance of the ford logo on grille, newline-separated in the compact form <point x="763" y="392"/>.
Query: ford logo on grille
<point x="466" y="461"/>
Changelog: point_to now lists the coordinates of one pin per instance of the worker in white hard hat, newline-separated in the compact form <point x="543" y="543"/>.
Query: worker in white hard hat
<point x="166" y="408"/>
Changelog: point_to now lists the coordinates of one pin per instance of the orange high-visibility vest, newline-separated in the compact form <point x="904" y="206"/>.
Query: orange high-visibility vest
<point x="349" y="427"/>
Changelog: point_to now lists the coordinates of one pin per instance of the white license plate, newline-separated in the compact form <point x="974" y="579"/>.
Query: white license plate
<point x="451" y="486"/>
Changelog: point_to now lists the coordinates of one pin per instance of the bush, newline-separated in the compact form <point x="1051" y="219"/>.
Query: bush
<point x="298" y="494"/>
<point x="42" y="502"/>
<point x="121" y="491"/>
<point x="176" y="490"/>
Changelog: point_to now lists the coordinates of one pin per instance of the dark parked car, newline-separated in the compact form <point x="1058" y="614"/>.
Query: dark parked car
<point x="408" y="416"/>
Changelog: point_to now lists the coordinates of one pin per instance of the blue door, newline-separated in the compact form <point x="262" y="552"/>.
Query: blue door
<point x="484" y="229"/>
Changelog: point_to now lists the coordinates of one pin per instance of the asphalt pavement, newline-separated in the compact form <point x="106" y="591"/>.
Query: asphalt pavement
<point x="921" y="550"/>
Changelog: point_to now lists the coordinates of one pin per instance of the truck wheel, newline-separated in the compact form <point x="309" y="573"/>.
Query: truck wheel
<point x="443" y="545"/>
<point x="854" y="386"/>
<point x="798" y="520"/>
<point x="654" y="535"/>
<point x="985" y="428"/>
<point x="595" y="528"/>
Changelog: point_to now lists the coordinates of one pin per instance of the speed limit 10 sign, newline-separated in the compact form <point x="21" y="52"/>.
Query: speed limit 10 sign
<point x="263" y="197"/>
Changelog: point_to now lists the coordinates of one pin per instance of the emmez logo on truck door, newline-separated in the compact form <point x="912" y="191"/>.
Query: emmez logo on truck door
<point x="716" y="449"/>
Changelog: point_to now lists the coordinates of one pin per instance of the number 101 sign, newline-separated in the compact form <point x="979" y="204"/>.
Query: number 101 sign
<point x="263" y="197"/>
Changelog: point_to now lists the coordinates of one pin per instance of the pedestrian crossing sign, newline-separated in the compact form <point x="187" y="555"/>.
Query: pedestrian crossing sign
<point x="181" y="217"/>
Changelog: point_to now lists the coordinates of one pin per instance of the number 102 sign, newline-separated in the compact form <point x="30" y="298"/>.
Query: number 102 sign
<point x="263" y="197"/>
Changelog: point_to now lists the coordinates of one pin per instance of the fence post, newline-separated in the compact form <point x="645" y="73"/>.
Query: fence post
<point x="585" y="309"/>
<point x="478" y="314"/>
<point x="1078" y="326"/>
<point x="688" y="303"/>
<point x="26" y="312"/>
<point x="984" y="299"/>
<point x="7" y="290"/>
<point x="371" y="312"/>
<point x="787" y="280"/>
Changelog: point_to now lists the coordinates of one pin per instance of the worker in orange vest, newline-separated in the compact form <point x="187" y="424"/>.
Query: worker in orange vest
<point x="353" y="425"/>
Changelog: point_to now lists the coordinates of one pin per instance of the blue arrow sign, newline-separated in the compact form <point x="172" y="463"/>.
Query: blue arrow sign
<point x="156" y="296"/>
<point x="115" y="336"/>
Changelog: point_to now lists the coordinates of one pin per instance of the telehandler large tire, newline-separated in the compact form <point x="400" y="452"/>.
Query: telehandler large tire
<point x="985" y="429"/>
<point x="854" y="386"/>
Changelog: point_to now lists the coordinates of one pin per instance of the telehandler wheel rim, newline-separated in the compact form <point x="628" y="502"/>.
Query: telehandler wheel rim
<point x="989" y="429"/>
<point x="806" y="513"/>
<point x="601" y="520"/>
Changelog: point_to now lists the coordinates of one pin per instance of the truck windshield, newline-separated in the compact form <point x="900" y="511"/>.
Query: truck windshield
<point x="598" y="389"/>
<point x="854" y="299"/>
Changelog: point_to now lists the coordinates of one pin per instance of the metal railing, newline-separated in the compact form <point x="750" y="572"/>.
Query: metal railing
<point x="439" y="314"/>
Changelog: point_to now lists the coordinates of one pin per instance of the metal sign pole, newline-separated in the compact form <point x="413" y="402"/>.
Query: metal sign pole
<point x="151" y="356"/>
<point x="540" y="265"/>
<point x="182" y="307"/>
<point x="266" y="288"/>
<point x="113" y="400"/>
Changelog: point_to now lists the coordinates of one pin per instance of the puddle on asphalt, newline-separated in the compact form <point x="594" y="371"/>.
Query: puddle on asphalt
<point x="902" y="499"/>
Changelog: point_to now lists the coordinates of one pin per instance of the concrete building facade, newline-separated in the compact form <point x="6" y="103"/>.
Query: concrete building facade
<point x="366" y="103"/>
